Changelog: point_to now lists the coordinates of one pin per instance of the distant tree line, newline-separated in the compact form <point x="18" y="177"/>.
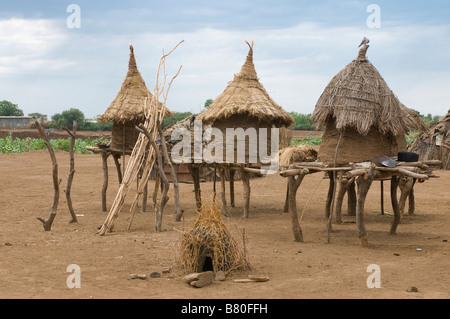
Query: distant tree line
<point x="66" y="118"/>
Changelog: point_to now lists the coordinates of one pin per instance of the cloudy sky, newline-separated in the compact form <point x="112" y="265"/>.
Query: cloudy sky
<point x="51" y="61"/>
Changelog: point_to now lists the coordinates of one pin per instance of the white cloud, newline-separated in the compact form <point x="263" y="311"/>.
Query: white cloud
<point x="294" y="64"/>
<point x="27" y="45"/>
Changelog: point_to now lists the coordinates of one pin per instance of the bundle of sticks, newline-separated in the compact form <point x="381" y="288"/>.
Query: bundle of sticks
<point x="144" y="155"/>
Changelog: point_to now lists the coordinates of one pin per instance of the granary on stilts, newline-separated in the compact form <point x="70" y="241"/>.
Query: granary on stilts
<point x="365" y="128"/>
<point x="126" y="111"/>
<point x="434" y="144"/>
<point x="246" y="110"/>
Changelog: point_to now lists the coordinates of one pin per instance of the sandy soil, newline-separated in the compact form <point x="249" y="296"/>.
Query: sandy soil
<point x="33" y="262"/>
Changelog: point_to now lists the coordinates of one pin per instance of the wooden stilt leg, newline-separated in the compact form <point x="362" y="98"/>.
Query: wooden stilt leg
<point x="412" y="203"/>
<point x="232" y="203"/>
<point x="119" y="171"/>
<point x="343" y="182"/>
<point x="329" y="196"/>
<point x="405" y="185"/>
<point x="246" y="181"/>
<point x="395" y="206"/>
<point x="195" y="173"/>
<point x="294" y="183"/>
<point x="351" y="198"/>
<point x="286" y="201"/>
<point x="364" y="182"/>
<point x="222" y="193"/>
<point x="105" y="180"/>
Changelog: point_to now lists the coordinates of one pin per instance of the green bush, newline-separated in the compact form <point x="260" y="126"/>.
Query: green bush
<point x="17" y="145"/>
<point x="309" y="140"/>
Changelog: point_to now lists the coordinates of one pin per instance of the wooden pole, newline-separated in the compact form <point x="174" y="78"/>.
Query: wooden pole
<point x="119" y="171"/>
<point x="105" y="179"/>
<point x="363" y="182"/>
<point x="382" y="197"/>
<point x="232" y="172"/>
<point x="351" y="198"/>
<point x="71" y="172"/>
<point x="176" y="188"/>
<point x="246" y="181"/>
<point x="294" y="184"/>
<point x="412" y="204"/>
<point x="286" y="201"/>
<point x="47" y="223"/>
<point x="329" y="196"/>
<point x="195" y="173"/>
<point x="223" y="189"/>
<point x="343" y="185"/>
<point x="395" y="207"/>
<point x="405" y="184"/>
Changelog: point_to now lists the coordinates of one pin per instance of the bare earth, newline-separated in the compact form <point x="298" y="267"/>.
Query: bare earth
<point x="33" y="262"/>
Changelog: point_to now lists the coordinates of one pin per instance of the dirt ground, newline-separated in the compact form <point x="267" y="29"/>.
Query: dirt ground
<point x="33" y="262"/>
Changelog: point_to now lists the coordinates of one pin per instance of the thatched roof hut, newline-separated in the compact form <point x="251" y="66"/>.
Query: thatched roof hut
<point x="128" y="108"/>
<point x="246" y="97"/>
<point x="245" y="104"/>
<point x="435" y="143"/>
<point x="362" y="115"/>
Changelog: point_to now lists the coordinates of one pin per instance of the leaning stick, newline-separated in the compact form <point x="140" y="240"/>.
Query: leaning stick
<point x="71" y="172"/>
<point x="47" y="223"/>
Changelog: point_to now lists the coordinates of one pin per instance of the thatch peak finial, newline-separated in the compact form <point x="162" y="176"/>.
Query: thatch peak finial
<point x="363" y="50"/>
<point x="132" y="67"/>
<point x="248" y="69"/>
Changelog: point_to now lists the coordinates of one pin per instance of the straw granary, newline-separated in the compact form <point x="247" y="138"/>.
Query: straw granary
<point x="434" y="144"/>
<point x="361" y="115"/>
<point x="128" y="109"/>
<point x="245" y="104"/>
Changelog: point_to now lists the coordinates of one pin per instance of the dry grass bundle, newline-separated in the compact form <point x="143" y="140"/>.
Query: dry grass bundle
<point x="434" y="144"/>
<point x="296" y="154"/>
<point x="358" y="97"/>
<point x="246" y="96"/>
<point x="285" y="137"/>
<point x="209" y="241"/>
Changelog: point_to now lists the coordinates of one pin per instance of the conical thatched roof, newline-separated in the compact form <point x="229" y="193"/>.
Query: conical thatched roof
<point x="358" y="97"/>
<point x="246" y="96"/>
<point x="128" y="106"/>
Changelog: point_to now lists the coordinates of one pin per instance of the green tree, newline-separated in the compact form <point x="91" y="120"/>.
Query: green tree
<point x="302" y="121"/>
<point x="174" y="119"/>
<point x="66" y="118"/>
<point x="208" y="102"/>
<point x="9" y="109"/>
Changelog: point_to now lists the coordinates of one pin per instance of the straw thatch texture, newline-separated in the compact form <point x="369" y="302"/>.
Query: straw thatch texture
<point x="358" y="97"/>
<point x="209" y="237"/>
<point x="434" y="144"/>
<point x="129" y="103"/>
<point x="297" y="154"/>
<point x="246" y="96"/>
